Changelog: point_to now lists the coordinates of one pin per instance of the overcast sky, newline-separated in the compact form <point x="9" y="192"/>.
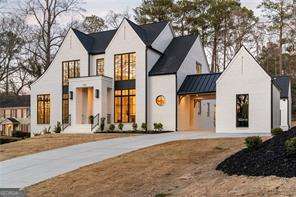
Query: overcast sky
<point x="101" y="7"/>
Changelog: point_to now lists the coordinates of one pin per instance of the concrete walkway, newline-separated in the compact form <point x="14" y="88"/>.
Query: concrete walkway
<point x="27" y="170"/>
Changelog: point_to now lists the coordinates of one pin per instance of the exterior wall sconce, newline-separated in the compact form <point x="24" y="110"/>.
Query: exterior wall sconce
<point x="71" y="95"/>
<point x="97" y="93"/>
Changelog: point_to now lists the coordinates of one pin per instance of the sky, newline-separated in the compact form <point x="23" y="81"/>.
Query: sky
<point x="101" y="7"/>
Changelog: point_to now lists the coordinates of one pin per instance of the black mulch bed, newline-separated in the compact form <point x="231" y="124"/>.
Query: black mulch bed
<point x="269" y="159"/>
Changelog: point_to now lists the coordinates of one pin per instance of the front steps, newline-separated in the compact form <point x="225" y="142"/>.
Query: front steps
<point x="78" y="128"/>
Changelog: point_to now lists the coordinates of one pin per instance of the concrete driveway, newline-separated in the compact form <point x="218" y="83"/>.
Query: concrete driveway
<point x="27" y="170"/>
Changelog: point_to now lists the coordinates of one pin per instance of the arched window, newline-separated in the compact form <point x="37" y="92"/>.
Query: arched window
<point x="160" y="100"/>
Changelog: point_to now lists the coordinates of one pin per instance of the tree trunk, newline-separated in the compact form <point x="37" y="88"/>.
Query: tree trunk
<point x="281" y="39"/>
<point x="214" y="53"/>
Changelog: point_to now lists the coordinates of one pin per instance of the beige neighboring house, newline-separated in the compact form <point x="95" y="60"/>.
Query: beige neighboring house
<point x="14" y="114"/>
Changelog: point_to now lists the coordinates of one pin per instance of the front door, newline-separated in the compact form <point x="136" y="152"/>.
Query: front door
<point x="84" y="105"/>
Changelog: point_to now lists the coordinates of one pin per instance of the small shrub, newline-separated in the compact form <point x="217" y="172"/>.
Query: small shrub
<point x="120" y="126"/>
<point x="135" y="126"/>
<point x="276" y="131"/>
<point x="158" y="126"/>
<point x="290" y="145"/>
<point x="253" y="143"/>
<point x="21" y="134"/>
<point x="111" y="127"/>
<point x="58" y="128"/>
<point x="45" y="131"/>
<point x="91" y="119"/>
<point x="102" y="124"/>
<point x="144" y="126"/>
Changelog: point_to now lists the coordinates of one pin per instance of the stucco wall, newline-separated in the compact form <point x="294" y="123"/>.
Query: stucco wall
<point x="163" y="39"/>
<point x="166" y="114"/>
<point x="284" y="113"/>
<point x="196" y="54"/>
<point x="243" y="76"/>
<point x="51" y="81"/>
<point x="125" y="41"/>
<point x="276" y="107"/>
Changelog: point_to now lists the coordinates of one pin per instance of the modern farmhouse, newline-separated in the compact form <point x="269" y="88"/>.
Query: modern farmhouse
<point x="146" y="74"/>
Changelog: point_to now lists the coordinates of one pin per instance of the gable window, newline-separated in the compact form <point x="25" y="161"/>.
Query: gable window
<point x="242" y="110"/>
<point x="43" y="109"/>
<point x="125" y="66"/>
<point x="71" y="69"/>
<point x="125" y="106"/>
<point x="198" y="68"/>
<point x="100" y="66"/>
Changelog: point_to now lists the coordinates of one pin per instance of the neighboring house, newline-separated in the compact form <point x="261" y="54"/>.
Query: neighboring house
<point x="14" y="114"/>
<point x="143" y="74"/>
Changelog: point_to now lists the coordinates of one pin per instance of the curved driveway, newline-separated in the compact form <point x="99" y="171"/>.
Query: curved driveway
<point x="27" y="170"/>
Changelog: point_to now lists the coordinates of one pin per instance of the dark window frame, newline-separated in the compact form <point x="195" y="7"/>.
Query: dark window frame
<point x="75" y="76"/>
<point x="46" y="117"/>
<point x="128" y="96"/>
<point x="121" y="66"/>
<point x="239" y="123"/>
<point x="97" y="66"/>
<point x="65" y="117"/>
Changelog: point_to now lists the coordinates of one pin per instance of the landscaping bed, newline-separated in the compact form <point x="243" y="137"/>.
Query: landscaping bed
<point x="271" y="158"/>
<point x="136" y="132"/>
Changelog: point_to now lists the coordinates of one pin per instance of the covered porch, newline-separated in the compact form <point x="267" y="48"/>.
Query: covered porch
<point x="197" y="103"/>
<point x="8" y="126"/>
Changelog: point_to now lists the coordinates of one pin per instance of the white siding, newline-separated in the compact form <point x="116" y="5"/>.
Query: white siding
<point x="195" y="54"/>
<point x="51" y="81"/>
<point x="162" y="85"/>
<point x="284" y="105"/>
<point x="163" y="39"/>
<point x="243" y="76"/>
<point x="126" y="40"/>
<point x="276" y="107"/>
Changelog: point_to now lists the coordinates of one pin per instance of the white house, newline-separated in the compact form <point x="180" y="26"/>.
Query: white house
<point x="146" y="74"/>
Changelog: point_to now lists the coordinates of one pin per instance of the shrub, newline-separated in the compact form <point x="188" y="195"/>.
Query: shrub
<point x="158" y="126"/>
<point x="20" y="134"/>
<point x="45" y="131"/>
<point x="290" y="145"/>
<point x="144" y="126"/>
<point x="111" y="127"/>
<point x="120" y="126"/>
<point x="58" y="128"/>
<point x="276" y="131"/>
<point x="253" y="143"/>
<point x="102" y="124"/>
<point x="91" y="119"/>
<point x="135" y="126"/>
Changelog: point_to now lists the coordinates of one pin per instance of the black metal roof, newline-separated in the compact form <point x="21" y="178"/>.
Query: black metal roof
<point x="14" y="101"/>
<point x="201" y="83"/>
<point x="173" y="56"/>
<point x="283" y="82"/>
<point x="96" y="43"/>
<point x="11" y="119"/>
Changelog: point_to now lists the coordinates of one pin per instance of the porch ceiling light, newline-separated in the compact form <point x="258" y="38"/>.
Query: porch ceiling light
<point x="160" y="100"/>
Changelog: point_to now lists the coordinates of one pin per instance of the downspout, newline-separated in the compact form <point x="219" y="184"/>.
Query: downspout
<point x="176" y="118"/>
<point x="146" y="91"/>
<point x="271" y="99"/>
<point x="88" y="64"/>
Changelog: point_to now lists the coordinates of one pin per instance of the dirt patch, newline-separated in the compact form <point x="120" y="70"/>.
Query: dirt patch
<point x="50" y="141"/>
<point x="181" y="168"/>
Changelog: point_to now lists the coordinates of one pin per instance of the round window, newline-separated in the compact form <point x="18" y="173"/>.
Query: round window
<point x="160" y="100"/>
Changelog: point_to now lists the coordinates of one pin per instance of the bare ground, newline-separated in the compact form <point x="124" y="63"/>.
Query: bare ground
<point x="50" y="141"/>
<point x="181" y="168"/>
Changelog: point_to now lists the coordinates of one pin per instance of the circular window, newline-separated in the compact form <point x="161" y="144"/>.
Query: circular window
<point x="160" y="100"/>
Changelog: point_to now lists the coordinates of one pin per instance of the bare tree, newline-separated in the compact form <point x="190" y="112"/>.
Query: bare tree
<point x="114" y="19"/>
<point x="46" y="36"/>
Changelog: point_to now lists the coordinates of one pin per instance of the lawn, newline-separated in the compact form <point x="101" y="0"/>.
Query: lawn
<point x="50" y="141"/>
<point x="181" y="168"/>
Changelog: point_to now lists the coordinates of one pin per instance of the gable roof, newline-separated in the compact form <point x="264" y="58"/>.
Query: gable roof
<point x="10" y="120"/>
<point x="14" y="101"/>
<point x="201" y="83"/>
<point x="148" y="32"/>
<point x="283" y="82"/>
<point x="173" y="56"/>
<point x="96" y="43"/>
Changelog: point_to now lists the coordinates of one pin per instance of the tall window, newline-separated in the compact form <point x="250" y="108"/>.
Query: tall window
<point x="65" y="108"/>
<point x="242" y="110"/>
<point x="71" y="69"/>
<point x="125" y="66"/>
<point x="43" y="109"/>
<point x="100" y="66"/>
<point x="125" y="105"/>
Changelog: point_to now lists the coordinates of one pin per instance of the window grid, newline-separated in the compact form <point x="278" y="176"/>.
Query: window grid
<point x="43" y="109"/>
